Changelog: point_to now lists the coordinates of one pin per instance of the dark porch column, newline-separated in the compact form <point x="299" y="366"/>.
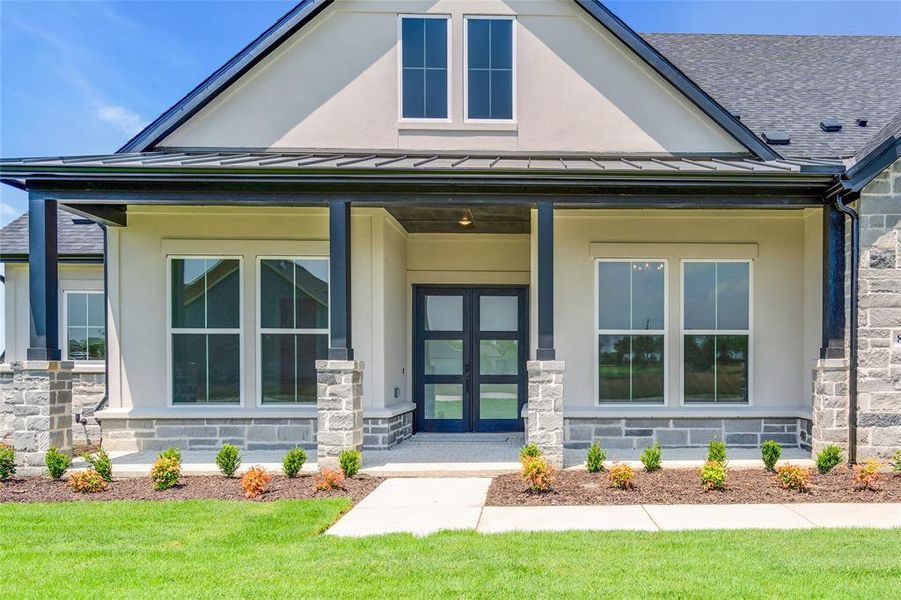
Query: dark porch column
<point x="833" y="283"/>
<point x="341" y="346"/>
<point x="43" y="295"/>
<point x="545" y="349"/>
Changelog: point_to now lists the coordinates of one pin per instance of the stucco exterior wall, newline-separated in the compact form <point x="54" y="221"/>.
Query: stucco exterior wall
<point x="785" y="290"/>
<point x="575" y="86"/>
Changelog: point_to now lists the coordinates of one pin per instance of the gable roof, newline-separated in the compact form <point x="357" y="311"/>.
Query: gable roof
<point x="78" y="240"/>
<point x="306" y="10"/>
<point x="792" y="82"/>
<point x="880" y="152"/>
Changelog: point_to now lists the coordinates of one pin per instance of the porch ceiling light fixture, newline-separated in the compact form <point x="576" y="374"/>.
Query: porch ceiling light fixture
<point x="466" y="219"/>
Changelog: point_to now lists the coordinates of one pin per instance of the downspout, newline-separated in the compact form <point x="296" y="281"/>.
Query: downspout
<point x="852" y="337"/>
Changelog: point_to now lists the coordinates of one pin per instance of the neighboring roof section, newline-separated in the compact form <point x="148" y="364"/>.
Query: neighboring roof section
<point x="880" y="152"/>
<point x="78" y="239"/>
<point x="313" y="163"/>
<point x="793" y="82"/>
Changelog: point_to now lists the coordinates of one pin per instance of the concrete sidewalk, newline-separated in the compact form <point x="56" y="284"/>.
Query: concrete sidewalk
<point x="427" y="505"/>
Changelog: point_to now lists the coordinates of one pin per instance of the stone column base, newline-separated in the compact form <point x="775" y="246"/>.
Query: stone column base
<point x="36" y="411"/>
<point x="545" y="408"/>
<point x="830" y="404"/>
<point x="340" y="409"/>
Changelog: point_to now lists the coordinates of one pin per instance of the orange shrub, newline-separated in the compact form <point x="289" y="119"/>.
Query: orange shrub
<point x="255" y="481"/>
<point x="621" y="476"/>
<point x="793" y="477"/>
<point x="867" y="475"/>
<point x="87" y="482"/>
<point x="329" y="479"/>
<point x="537" y="473"/>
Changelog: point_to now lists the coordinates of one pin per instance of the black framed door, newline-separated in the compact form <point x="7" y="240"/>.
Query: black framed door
<point x="470" y="346"/>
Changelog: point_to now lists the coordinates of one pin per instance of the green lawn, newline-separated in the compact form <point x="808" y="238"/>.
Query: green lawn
<point x="241" y="549"/>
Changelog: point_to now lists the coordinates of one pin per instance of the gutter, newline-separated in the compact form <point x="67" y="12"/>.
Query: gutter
<point x="852" y="368"/>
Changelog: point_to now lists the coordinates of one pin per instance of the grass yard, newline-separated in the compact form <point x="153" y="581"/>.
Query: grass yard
<point x="243" y="549"/>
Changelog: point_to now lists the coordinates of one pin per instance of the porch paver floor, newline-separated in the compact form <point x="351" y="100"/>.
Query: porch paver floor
<point x="426" y="505"/>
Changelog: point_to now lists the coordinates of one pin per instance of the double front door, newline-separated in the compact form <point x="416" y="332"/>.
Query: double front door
<point x="470" y="346"/>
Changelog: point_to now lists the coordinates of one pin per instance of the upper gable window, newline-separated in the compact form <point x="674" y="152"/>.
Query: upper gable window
<point x="489" y="68"/>
<point x="424" y="67"/>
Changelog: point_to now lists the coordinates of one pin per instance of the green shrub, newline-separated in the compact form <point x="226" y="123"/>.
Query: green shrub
<point x="770" y="451"/>
<point x="594" y="462"/>
<point x="828" y="458"/>
<point x="713" y="475"/>
<point x="56" y="462"/>
<point x="87" y="482"/>
<point x="896" y="461"/>
<point x="293" y="461"/>
<point x="228" y="460"/>
<point x="7" y="461"/>
<point x="651" y="457"/>
<point x="165" y="472"/>
<point x="102" y="463"/>
<point x="528" y="452"/>
<point x="350" y="462"/>
<point x="716" y="452"/>
<point x="171" y="453"/>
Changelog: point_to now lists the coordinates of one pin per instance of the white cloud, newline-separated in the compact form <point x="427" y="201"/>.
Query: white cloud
<point x="127" y="121"/>
<point x="8" y="212"/>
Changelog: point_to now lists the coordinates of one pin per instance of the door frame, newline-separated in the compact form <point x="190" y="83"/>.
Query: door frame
<point x="471" y="292"/>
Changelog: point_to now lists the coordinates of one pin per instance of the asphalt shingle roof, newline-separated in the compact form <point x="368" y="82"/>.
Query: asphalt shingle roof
<point x="792" y="82"/>
<point x="75" y="238"/>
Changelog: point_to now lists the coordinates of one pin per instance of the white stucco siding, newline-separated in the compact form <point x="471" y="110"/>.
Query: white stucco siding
<point x="785" y="305"/>
<point x="335" y="85"/>
<point x="17" y="311"/>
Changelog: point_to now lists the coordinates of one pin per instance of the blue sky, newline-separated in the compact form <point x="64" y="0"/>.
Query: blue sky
<point x="82" y="77"/>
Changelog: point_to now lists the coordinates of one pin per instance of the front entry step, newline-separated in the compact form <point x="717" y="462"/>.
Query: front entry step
<point x="467" y="438"/>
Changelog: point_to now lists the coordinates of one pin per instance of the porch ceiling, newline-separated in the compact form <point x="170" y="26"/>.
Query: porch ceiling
<point x="481" y="219"/>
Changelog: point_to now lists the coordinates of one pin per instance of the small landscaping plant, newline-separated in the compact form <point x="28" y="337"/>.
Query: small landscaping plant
<point x="621" y="476"/>
<point x="171" y="453"/>
<point x="293" y="461"/>
<point x="713" y="475"/>
<point x="538" y="474"/>
<point x="7" y="461"/>
<point x="867" y="475"/>
<point x="350" y="461"/>
<point x="57" y="462"/>
<point x="255" y="481"/>
<point x="528" y="452"/>
<point x="651" y="457"/>
<point x="329" y="479"/>
<point x="165" y="472"/>
<point x="770" y="452"/>
<point x="87" y="482"/>
<point x="228" y="460"/>
<point x="828" y="458"/>
<point x="594" y="462"/>
<point x="100" y="462"/>
<point x="896" y="461"/>
<point x="716" y="452"/>
<point x="793" y="477"/>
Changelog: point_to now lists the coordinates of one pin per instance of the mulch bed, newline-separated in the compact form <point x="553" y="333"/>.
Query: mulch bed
<point x="683" y="486"/>
<point x="43" y="489"/>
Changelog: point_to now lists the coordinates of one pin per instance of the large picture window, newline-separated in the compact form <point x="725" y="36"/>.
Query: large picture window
<point x="205" y="330"/>
<point x="84" y="326"/>
<point x="490" y="68"/>
<point x="424" y="67"/>
<point x="631" y="331"/>
<point x="716" y="331"/>
<point x="293" y="327"/>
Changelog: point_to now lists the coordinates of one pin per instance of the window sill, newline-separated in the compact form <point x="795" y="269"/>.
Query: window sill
<point x="687" y="412"/>
<point x="467" y="127"/>
<point x="237" y="412"/>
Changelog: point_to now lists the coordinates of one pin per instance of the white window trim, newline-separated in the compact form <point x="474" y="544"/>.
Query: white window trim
<point x="260" y="330"/>
<point x="65" y="328"/>
<point x="749" y="332"/>
<point x="400" y="70"/>
<point x="170" y="331"/>
<point x="513" y="112"/>
<point x="664" y="332"/>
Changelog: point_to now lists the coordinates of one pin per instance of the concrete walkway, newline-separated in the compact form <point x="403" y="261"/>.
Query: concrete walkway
<point x="427" y="505"/>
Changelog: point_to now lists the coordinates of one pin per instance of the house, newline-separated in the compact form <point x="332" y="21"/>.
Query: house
<point x="383" y="218"/>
